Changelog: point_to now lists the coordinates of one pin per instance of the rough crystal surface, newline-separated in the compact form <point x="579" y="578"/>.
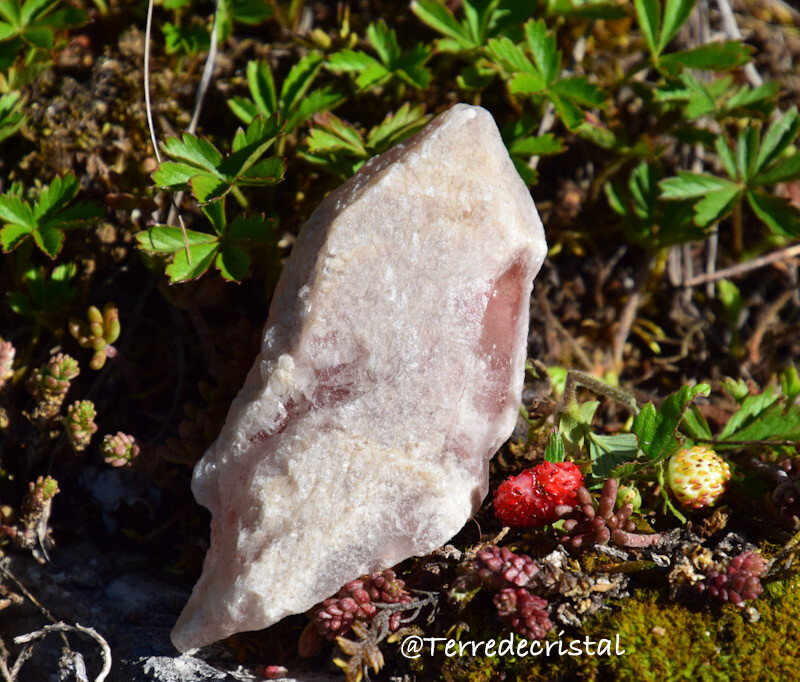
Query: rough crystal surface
<point x="390" y="372"/>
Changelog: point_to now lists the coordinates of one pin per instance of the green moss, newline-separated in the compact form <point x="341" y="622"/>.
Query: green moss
<point x="663" y="641"/>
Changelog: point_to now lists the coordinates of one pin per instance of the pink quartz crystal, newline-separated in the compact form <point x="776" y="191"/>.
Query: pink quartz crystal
<point x="390" y="373"/>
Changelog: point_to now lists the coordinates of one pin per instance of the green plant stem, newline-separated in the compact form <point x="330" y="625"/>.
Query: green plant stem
<point x="576" y="377"/>
<point x="737" y="243"/>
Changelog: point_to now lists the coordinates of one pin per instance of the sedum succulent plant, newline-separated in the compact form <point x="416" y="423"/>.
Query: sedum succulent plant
<point x="50" y="384"/>
<point x="79" y="424"/>
<point x="7" y="354"/>
<point x="119" y="450"/>
<point x="587" y="525"/>
<point x="101" y="330"/>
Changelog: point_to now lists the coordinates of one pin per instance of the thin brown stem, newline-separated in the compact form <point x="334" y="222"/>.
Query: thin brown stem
<point x="742" y="268"/>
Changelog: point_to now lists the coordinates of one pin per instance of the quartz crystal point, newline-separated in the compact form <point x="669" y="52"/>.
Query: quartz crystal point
<point x="390" y="372"/>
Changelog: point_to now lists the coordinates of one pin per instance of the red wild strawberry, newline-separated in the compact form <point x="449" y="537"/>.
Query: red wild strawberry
<point x="530" y="499"/>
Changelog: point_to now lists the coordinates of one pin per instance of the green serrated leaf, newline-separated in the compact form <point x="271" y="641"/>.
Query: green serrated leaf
<point x="49" y="240"/>
<point x="537" y="146"/>
<point x="542" y="45"/>
<point x="396" y="127"/>
<point x="737" y="389"/>
<point x="778" y="137"/>
<point x="610" y="452"/>
<point x="233" y="263"/>
<point x="266" y="172"/>
<point x="762" y="417"/>
<point x="510" y="57"/>
<point x="777" y="213"/>
<point x="384" y="41"/>
<point x="694" y="424"/>
<point x="784" y="170"/>
<point x="243" y="108"/>
<point x="716" y="205"/>
<point x="690" y="185"/>
<point x="657" y="430"/>
<point x="676" y="12"/>
<point x="439" y="18"/>
<point x="372" y="75"/>
<point x="167" y="239"/>
<point x="710" y="57"/>
<point x="526" y="83"/>
<point x="180" y="270"/>
<point x="262" y="88"/>
<point x="567" y="111"/>
<point x="580" y="90"/>
<point x="347" y="61"/>
<point x="254" y="228"/>
<point x="648" y="13"/>
<point x="12" y="235"/>
<point x="206" y="187"/>
<point x="790" y="383"/>
<point x="725" y="154"/>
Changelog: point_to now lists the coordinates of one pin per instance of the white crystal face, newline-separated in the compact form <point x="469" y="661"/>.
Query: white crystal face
<point x="390" y="373"/>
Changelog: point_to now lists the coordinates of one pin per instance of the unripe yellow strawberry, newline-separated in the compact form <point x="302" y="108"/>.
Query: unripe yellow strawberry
<point x="697" y="476"/>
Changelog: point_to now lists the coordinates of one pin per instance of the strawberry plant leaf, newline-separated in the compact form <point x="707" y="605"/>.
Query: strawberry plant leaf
<point x="715" y="205"/>
<point x="765" y="416"/>
<point x="542" y="45"/>
<point x="648" y="13"/>
<point x="396" y="127"/>
<point x="167" y="239"/>
<point x="709" y="57"/>
<point x="436" y="15"/>
<point x="11" y="116"/>
<point x="580" y="90"/>
<point x="790" y="383"/>
<point x="262" y="87"/>
<point x="688" y="185"/>
<point x="777" y="213"/>
<point x="784" y="170"/>
<point x="46" y="219"/>
<point x="510" y="56"/>
<point x="254" y="228"/>
<point x="609" y="452"/>
<point x="657" y="430"/>
<point x="676" y="12"/>
<point x="778" y="137"/>
<point x="180" y="270"/>
<point x="233" y="263"/>
<point x="207" y="187"/>
<point x="694" y="424"/>
<point x="526" y="83"/>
